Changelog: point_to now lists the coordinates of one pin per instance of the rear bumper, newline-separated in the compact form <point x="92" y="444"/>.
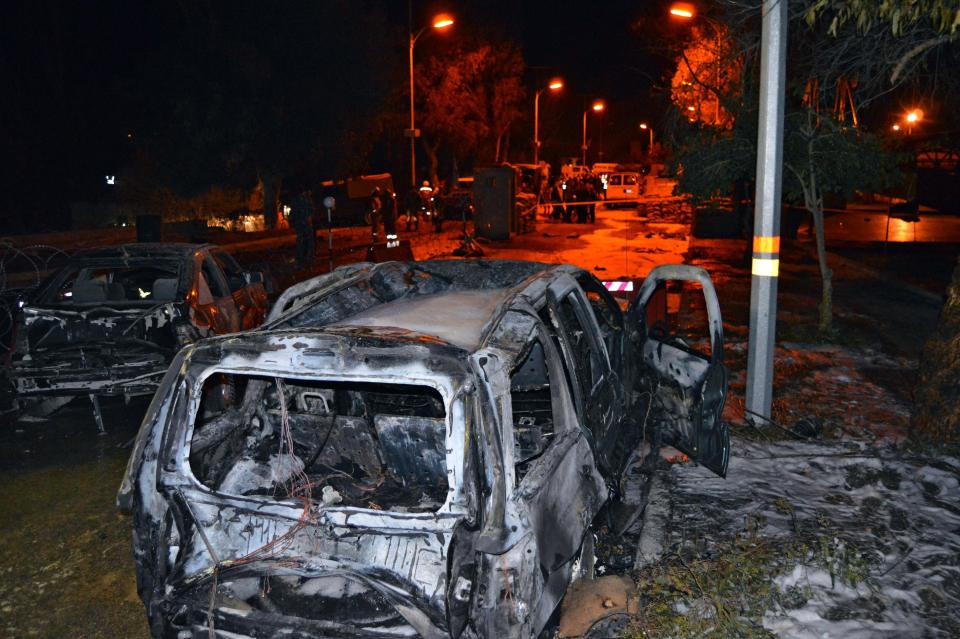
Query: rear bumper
<point x="288" y="613"/>
<point x="241" y="624"/>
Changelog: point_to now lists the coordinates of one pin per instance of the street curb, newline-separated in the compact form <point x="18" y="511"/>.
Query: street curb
<point x="656" y="516"/>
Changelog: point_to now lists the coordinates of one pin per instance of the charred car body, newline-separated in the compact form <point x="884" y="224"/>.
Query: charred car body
<point x="414" y="449"/>
<point x="110" y="321"/>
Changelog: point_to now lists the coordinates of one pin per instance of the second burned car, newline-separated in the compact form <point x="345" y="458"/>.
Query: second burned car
<point x="414" y="449"/>
<point x="108" y="323"/>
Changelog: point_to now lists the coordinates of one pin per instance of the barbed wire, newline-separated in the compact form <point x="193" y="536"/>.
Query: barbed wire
<point x="22" y="269"/>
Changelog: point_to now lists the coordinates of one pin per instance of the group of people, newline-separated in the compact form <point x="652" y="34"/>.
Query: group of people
<point x="383" y="215"/>
<point x="419" y="202"/>
<point x="578" y="196"/>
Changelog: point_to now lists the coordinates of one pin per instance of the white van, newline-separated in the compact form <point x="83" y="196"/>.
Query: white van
<point x="624" y="185"/>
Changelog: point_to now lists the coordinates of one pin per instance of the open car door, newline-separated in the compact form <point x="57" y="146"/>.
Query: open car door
<point x="679" y="387"/>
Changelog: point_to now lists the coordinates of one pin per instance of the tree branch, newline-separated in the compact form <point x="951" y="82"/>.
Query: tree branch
<point x="914" y="52"/>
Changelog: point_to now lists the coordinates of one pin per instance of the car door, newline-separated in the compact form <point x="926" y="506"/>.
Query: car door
<point x="597" y="388"/>
<point x="556" y="475"/>
<point x="249" y="299"/>
<point x="678" y="388"/>
<point x="615" y="186"/>
<point x="213" y="306"/>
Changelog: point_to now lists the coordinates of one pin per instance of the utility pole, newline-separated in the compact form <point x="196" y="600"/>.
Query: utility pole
<point x="412" y="131"/>
<point x="765" y="267"/>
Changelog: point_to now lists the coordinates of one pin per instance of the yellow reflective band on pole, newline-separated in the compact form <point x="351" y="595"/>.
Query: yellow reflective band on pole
<point x="766" y="267"/>
<point x="766" y="244"/>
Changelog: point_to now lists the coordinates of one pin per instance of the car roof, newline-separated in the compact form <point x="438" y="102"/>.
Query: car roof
<point x="151" y="250"/>
<point x="458" y="317"/>
<point x="454" y="302"/>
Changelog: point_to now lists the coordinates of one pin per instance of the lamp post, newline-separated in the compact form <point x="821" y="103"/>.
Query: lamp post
<point x="555" y="85"/>
<point x="686" y="11"/>
<point x="598" y="106"/>
<point x="441" y="21"/>
<point x="646" y="127"/>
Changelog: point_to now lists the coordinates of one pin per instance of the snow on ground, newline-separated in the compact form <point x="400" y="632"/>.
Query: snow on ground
<point x="892" y="518"/>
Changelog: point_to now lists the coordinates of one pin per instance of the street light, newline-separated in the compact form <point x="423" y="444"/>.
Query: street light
<point x="686" y="11"/>
<point x="598" y="106"/>
<point x="912" y="117"/>
<point x="555" y="85"/>
<point x="645" y="127"/>
<point x="440" y="21"/>
<point x="682" y="10"/>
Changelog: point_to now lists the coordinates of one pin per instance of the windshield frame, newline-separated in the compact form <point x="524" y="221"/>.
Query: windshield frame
<point x="46" y="296"/>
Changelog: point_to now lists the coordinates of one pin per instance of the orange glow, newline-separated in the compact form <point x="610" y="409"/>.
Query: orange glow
<point x="442" y="21"/>
<point x="643" y="125"/>
<point x="683" y="10"/>
<point x="914" y="116"/>
<point x="896" y="127"/>
<point x="555" y="84"/>
<point x="691" y="108"/>
<point x="599" y="105"/>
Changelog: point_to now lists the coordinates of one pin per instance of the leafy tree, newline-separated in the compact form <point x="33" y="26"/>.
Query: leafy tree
<point x="821" y="156"/>
<point x="705" y="77"/>
<point x="845" y="64"/>
<point x="468" y="99"/>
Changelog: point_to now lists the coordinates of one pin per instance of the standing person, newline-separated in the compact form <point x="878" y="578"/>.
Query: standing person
<point x="411" y="206"/>
<point x="426" y="200"/>
<point x="573" y="195"/>
<point x="438" y="203"/>
<point x="375" y="204"/>
<point x="590" y="193"/>
<point x="388" y="210"/>
<point x="556" y="197"/>
<point x="301" y="219"/>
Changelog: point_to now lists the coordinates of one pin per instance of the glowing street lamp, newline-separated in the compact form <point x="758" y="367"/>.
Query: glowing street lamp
<point x="683" y="10"/>
<point x="896" y="127"/>
<point x="598" y="106"/>
<point x="912" y="117"/>
<point x="555" y="85"/>
<point x="440" y="21"/>
<point x="644" y="126"/>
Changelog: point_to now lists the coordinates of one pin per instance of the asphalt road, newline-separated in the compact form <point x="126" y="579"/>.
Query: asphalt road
<point x="871" y="225"/>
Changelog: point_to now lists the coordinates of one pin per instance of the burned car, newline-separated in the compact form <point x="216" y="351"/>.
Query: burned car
<point x="411" y="449"/>
<point x="109" y="322"/>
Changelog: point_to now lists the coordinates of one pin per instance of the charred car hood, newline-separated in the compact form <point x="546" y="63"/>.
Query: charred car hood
<point x="52" y="328"/>
<point x="102" y="350"/>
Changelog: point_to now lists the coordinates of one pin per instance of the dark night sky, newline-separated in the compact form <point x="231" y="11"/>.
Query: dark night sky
<point x="73" y="76"/>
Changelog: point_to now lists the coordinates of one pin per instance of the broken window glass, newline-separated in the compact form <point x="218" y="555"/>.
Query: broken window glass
<point x="585" y="361"/>
<point x="676" y="314"/>
<point x="235" y="279"/>
<point x="379" y="446"/>
<point x="533" y="423"/>
<point x="211" y="274"/>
